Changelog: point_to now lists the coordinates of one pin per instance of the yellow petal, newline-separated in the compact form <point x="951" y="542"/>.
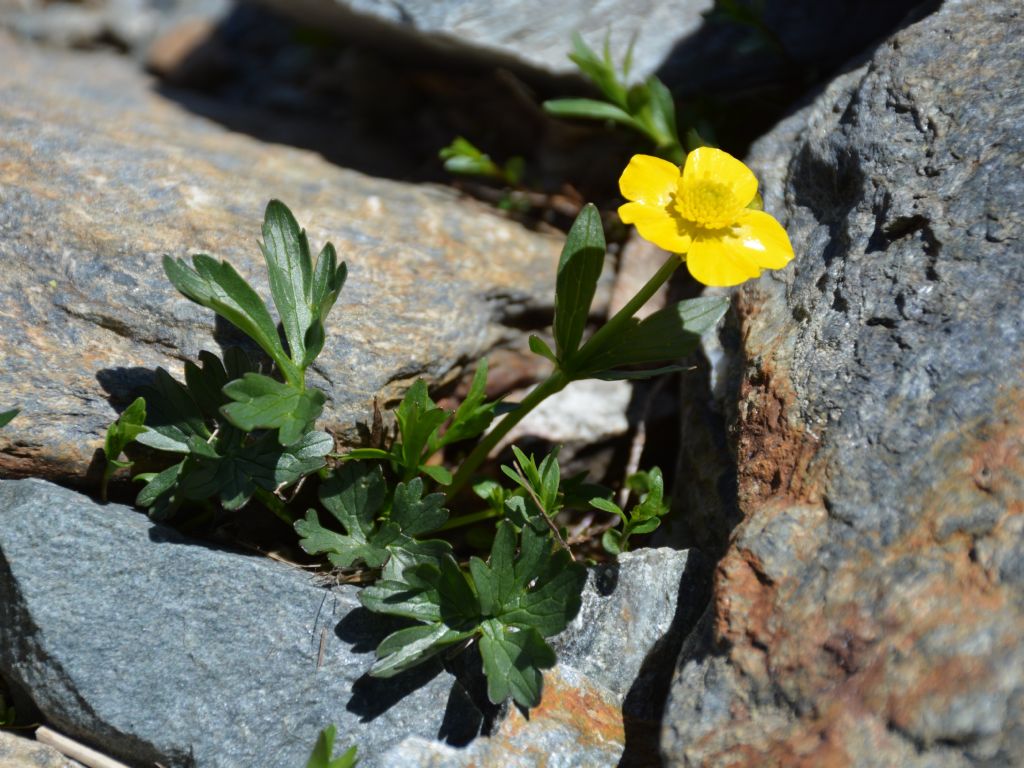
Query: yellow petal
<point x="657" y="225"/>
<point x="764" y="240"/>
<point x="721" y="261"/>
<point x="707" y="164"/>
<point x="649" y="180"/>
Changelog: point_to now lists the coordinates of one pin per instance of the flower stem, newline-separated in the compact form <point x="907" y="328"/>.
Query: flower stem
<point x="554" y="383"/>
<point x="615" y="325"/>
<point x="557" y="380"/>
<point x="475" y="517"/>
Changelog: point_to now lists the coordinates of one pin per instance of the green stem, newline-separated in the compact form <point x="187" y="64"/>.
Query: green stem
<point x="615" y="325"/>
<point x="558" y="380"/>
<point x="476" y="517"/>
<point x="554" y="383"/>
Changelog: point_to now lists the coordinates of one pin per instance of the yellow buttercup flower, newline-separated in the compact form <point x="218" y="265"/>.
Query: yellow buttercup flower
<point x="702" y="212"/>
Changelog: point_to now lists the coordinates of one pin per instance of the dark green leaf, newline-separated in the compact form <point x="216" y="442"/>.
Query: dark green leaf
<point x="6" y="416"/>
<point x="328" y="280"/>
<point x="513" y="660"/>
<point x="663" y="110"/>
<point x="158" y="486"/>
<point x="205" y="383"/>
<point x="366" y="453"/>
<point x="579" y="269"/>
<point x="437" y="473"/>
<point x="355" y="494"/>
<point x="668" y="334"/>
<point x="321" y="757"/>
<point x="539" y="347"/>
<point x="219" y="287"/>
<point x="397" y="598"/>
<point x="303" y="458"/>
<point x="418" y="421"/>
<point x="172" y="411"/>
<point x="634" y="375"/>
<point x="554" y="599"/>
<point x="232" y="470"/>
<point x="474" y="414"/>
<point x="128" y="426"/>
<point x="611" y="540"/>
<point x="550" y="475"/>
<point x="534" y="550"/>
<point x="608" y="506"/>
<point x="416" y="515"/>
<point x="408" y="647"/>
<point x="589" y="109"/>
<point x="600" y="70"/>
<point x="314" y="343"/>
<point x="460" y="607"/>
<point x="263" y="403"/>
<point x="159" y="439"/>
<point x="342" y="550"/>
<point x="290" y="272"/>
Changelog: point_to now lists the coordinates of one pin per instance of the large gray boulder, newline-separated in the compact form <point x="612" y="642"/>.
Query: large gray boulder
<point x="870" y="607"/>
<point x="534" y="33"/>
<point x="152" y="647"/>
<point x="101" y="177"/>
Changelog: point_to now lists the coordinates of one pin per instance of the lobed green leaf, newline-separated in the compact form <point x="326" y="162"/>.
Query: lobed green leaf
<point x="261" y="402"/>
<point x="513" y="660"/>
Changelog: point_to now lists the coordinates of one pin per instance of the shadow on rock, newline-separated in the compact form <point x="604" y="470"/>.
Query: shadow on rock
<point x="644" y="704"/>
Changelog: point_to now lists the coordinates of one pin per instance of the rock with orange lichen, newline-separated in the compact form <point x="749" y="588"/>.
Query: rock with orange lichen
<point x="100" y="176"/>
<point x="154" y="649"/>
<point x="603" y="701"/>
<point x="869" y="609"/>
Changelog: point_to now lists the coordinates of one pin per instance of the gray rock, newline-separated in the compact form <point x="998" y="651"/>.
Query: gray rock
<point x="124" y="24"/>
<point x="153" y="647"/>
<point x="603" y="700"/>
<point x="531" y="32"/>
<point x="870" y="607"/>
<point x="101" y="177"/>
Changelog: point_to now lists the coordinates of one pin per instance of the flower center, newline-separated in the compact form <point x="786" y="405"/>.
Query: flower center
<point x="708" y="204"/>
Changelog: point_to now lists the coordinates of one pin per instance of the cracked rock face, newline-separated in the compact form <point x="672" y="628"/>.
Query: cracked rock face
<point x="870" y="608"/>
<point x="100" y="177"/>
<point x="153" y="647"/>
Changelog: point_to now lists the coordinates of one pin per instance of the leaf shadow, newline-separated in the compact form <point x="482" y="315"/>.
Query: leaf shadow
<point x="467" y="711"/>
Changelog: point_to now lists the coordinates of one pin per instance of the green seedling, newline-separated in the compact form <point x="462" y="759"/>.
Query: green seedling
<point x="240" y="432"/>
<point x="647" y="107"/>
<point x="129" y="425"/>
<point x="424" y="429"/>
<point x="323" y="750"/>
<point x="644" y="517"/>
<point x="463" y="158"/>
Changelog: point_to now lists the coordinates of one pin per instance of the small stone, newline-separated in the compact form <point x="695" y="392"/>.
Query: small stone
<point x="20" y="752"/>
